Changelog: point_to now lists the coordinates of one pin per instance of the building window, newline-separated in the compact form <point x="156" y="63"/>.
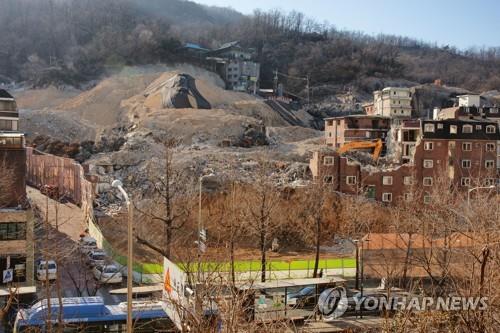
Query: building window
<point x="466" y="164"/>
<point x="428" y="145"/>
<point x="328" y="160"/>
<point x="467" y="129"/>
<point x="387" y="197"/>
<point x="408" y="196"/>
<point x="408" y="180"/>
<point x="427" y="181"/>
<point x="479" y="127"/>
<point x="489" y="164"/>
<point x="328" y="179"/>
<point x="428" y="164"/>
<point x="489" y="181"/>
<point x="440" y="126"/>
<point x="493" y="110"/>
<point x="429" y="128"/>
<point x="453" y="129"/>
<point x="387" y="180"/>
<point x="13" y="231"/>
<point x="490" y="147"/>
<point x="467" y="146"/>
<point x="350" y="180"/>
<point x="465" y="181"/>
<point x="427" y="198"/>
<point x="490" y="129"/>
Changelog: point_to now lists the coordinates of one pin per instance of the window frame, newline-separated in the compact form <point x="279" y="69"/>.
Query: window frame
<point x="465" y="181"/>
<point x="328" y="182"/>
<point x="428" y="145"/>
<point x="329" y="158"/>
<point x="427" y="178"/>
<point x="490" y="145"/>
<point x="469" y="127"/>
<point x="492" y="162"/>
<point x="429" y="128"/>
<point x="387" y="197"/>
<point x="351" y="177"/>
<point x="464" y="144"/>
<point x="469" y="164"/>
<point x="491" y="129"/>
<point x="427" y="166"/>
<point x="387" y="177"/>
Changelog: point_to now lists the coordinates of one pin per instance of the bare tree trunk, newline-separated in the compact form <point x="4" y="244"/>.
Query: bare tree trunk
<point x="317" y="241"/>
<point x="263" y="255"/>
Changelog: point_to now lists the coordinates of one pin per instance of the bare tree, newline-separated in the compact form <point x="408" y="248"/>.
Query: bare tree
<point x="262" y="200"/>
<point x="171" y="200"/>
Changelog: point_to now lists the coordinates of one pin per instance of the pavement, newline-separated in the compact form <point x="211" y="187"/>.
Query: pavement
<point x="59" y="240"/>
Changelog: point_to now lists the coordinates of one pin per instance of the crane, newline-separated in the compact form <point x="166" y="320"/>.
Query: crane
<point x="355" y="145"/>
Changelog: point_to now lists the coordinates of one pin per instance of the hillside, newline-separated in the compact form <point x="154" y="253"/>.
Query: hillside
<point x="107" y="36"/>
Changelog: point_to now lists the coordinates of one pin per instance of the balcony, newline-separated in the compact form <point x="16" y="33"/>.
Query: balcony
<point x="12" y="141"/>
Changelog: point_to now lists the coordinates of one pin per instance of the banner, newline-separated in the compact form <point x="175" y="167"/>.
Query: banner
<point x="174" y="284"/>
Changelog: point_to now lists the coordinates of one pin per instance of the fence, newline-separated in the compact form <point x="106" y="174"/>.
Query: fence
<point x="62" y="173"/>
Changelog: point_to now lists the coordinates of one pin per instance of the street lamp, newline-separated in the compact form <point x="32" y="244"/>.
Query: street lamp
<point x="356" y="243"/>
<point x="201" y="240"/>
<point x="130" y="277"/>
<point x="477" y="188"/>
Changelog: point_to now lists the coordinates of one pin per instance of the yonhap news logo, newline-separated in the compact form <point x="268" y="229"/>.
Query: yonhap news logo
<point x="333" y="303"/>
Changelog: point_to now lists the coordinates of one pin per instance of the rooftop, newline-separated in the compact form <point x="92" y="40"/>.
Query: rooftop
<point x="5" y="94"/>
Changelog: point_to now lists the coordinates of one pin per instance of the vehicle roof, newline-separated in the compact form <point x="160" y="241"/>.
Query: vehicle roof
<point x="45" y="261"/>
<point x="290" y="283"/>
<point x="97" y="251"/>
<point x="88" y="239"/>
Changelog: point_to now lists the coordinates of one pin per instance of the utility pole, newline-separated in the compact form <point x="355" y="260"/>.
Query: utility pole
<point x="275" y="81"/>
<point x="308" y="90"/>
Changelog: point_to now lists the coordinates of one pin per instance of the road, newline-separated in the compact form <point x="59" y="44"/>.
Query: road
<point x="58" y="240"/>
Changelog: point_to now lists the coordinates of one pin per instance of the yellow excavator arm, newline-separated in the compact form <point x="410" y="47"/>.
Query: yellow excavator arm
<point x="354" y="145"/>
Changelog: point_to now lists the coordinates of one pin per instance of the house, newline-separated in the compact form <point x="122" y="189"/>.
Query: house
<point x="16" y="216"/>
<point x="393" y="102"/>
<point x="344" y="129"/>
<point x="234" y="63"/>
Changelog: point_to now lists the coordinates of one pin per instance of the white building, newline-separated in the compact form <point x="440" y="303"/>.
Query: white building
<point x="392" y="102"/>
<point x="469" y="100"/>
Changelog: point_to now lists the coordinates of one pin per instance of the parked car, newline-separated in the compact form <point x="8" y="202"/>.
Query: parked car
<point x="97" y="257"/>
<point x="87" y="244"/>
<point x="306" y="296"/>
<point x="107" y="274"/>
<point x="46" y="269"/>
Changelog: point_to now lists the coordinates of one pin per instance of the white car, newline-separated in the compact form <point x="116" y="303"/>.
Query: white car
<point x="46" y="270"/>
<point x="97" y="257"/>
<point x="87" y="244"/>
<point x="107" y="274"/>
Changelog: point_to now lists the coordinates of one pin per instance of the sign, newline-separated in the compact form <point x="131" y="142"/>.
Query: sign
<point x="8" y="275"/>
<point x="174" y="285"/>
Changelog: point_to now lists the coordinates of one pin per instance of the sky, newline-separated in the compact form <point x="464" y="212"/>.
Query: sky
<point x="460" y="23"/>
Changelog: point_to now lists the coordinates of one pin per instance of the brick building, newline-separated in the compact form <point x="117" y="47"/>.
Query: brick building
<point x="341" y="130"/>
<point x="464" y="151"/>
<point x="16" y="217"/>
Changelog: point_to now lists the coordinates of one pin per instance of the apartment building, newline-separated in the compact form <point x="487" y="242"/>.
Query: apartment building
<point x="16" y="216"/>
<point x="464" y="152"/>
<point x="392" y="102"/>
<point x="341" y="130"/>
<point x="234" y="63"/>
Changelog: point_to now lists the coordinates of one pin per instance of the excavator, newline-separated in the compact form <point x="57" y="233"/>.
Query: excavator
<point x="355" y="145"/>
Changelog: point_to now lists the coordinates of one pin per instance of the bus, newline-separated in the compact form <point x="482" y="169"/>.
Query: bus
<point x="91" y="315"/>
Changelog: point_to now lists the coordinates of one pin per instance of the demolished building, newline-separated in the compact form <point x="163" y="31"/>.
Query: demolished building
<point x="465" y="152"/>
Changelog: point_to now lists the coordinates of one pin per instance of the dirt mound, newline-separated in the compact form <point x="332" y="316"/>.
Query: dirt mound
<point x="178" y="92"/>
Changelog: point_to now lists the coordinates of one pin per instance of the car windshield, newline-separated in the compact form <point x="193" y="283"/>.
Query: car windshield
<point x="110" y="270"/>
<point x="51" y="266"/>
<point x="98" y="256"/>
<point x="306" y="291"/>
